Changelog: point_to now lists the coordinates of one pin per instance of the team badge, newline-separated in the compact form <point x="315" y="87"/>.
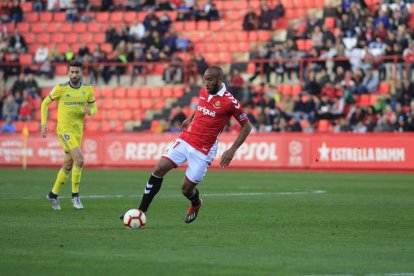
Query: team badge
<point x="217" y="104"/>
<point x="67" y="95"/>
<point x="84" y="93"/>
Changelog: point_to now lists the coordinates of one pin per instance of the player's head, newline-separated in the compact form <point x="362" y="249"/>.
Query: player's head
<point x="75" y="71"/>
<point x="213" y="78"/>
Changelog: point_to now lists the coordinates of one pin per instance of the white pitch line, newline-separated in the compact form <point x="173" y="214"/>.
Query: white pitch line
<point x="310" y="192"/>
<point x="370" y="274"/>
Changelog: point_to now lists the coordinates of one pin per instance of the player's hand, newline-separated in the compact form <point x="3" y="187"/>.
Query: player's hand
<point x="88" y="110"/>
<point x="226" y="158"/>
<point x="43" y="131"/>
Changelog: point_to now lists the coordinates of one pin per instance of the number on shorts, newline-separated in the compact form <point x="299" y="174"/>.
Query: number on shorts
<point x="176" y="143"/>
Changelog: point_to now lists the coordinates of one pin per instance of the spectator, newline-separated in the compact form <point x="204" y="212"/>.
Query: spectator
<point x="279" y="10"/>
<point x="182" y="43"/>
<point x="83" y="51"/>
<point x="16" y="12"/>
<point x="69" y="54"/>
<point x="173" y="73"/>
<point x="136" y="31"/>
<point x="133" y="5"/>
<point x="72" y="13"/>
<point x="107" y="5"/>
<point x="371" y="82"/>
<point x="17" y="43"/>
<point x="236" y="84"/>
<point x="25" y="111"/>
<point x="250" y="20"/>
<point x="19" y="85"/>
<point x="10" y="108"/>
<point x="37" y="5"/>
<point x="8" y="126"/>
<point x="164" y="5"/>
<point x="137" y="69"/>
<point x="342" y="126"/>
<point x="265" y="17"/>
<point x="32" y="86"/>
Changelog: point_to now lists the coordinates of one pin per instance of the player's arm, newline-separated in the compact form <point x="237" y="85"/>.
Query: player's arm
<point x="43" y="115"/>
<point x="91" y="109"/>
<point x="229" y="154"/>
<point x="187" y="121"/>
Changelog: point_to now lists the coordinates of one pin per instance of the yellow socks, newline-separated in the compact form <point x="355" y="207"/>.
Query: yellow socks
<point x="60" y="180"/>
<point x="76" y="177"/>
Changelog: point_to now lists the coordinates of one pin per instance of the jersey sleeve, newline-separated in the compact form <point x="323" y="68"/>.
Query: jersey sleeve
<point x="91" y="96"/>
<point x="55" y="93"/>
<point x="237" y="112"/>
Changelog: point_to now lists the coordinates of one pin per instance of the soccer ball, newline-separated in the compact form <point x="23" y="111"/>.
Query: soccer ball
<point x="134" y="219"/>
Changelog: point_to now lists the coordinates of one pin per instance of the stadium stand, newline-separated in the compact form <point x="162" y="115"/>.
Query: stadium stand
<point x="307" y="51"/>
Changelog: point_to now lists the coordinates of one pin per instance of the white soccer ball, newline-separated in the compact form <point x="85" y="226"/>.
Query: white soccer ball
<point x="134" y="219"/>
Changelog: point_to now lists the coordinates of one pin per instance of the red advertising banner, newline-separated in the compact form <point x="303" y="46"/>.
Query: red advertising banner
<point x="264" y="151"/>
<point x="368" y="151"/>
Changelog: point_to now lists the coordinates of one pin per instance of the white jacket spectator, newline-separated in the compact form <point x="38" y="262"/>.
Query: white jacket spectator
<point x="42" y="54"/>
<point x="137" y="30"/>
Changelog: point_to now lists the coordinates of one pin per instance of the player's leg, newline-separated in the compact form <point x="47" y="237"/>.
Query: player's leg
<point x="190" y="191"/>
<point x="78" y="162"/>
<point x="175" y="156"/>
<point x="197" y="167"/>
<point x="60" y="181"/>
<point x="154" y="182"/>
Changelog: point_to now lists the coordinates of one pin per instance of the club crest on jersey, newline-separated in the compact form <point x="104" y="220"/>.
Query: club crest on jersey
<point x="84" y="93"/>
<point x="206" y="111"/>
<point x="217" y="104"/>
<point x="67" y="95"/>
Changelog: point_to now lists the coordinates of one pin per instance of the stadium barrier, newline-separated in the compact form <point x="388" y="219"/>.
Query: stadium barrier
<point x="385" y="151"/>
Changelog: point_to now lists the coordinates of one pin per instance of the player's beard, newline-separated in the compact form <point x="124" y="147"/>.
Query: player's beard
<point x="75" y="81"/>
<point x="214" y="90"/>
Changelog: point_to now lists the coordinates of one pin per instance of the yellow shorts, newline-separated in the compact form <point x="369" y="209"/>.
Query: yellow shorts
<point x="69" y="141"/>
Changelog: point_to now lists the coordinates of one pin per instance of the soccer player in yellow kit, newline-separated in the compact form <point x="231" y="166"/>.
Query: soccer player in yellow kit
<point x="75" y="99"/>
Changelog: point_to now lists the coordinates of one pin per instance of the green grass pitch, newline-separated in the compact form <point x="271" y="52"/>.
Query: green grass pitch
<point x="251" y="223"/>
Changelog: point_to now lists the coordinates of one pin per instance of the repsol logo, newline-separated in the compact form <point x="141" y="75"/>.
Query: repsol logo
<point x="206" y="111"/>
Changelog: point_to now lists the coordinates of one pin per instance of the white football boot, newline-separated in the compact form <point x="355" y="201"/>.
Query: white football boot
<point x="77" y="204"/>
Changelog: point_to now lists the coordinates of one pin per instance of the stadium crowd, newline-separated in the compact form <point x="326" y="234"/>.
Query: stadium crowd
<point x="355" y="49"/>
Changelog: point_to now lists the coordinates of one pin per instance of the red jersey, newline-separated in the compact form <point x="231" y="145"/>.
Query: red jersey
<point x="212" y="114"/>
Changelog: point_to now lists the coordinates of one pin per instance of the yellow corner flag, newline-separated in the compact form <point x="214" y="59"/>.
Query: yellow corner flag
<point x="25" y="136"/>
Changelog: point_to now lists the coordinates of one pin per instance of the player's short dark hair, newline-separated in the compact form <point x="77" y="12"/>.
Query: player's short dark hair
<point x="218" y="70"/>
<point x="76" y="63"/>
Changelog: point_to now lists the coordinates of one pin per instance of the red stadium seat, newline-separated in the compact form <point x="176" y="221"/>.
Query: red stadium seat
<point x="178" y="92"/>
<point x="384" y="88"/>
<point x="99" y="38"/>
<point x="146" y="103"/>
<point x="46" y="17"/>
<point x="167" y="92"/>
<point x="94" y="27"/>
<point x="23" y="27"/>
<point x="33" y="126"/>
<point x="364" y="100"/>
<point x="122" y="104"/>
<point x="26" y="59"/>
<point x="37" y="28"/>
<point x="87" y="38"/>
<point x="132" y="92"/>
<point x="51" y="28"/>
<point x="119" y="92"/>
<point x="373" y="99"/>
<point x="202" y="25"/>
<point x="59" y="17"/>
<point x="134" y="104"/>
<point x="126" y="115"/>
<point x="93" y="126"/>
<point x="58" y="38"/>
<point x="79" y="27"/>
<point x="129" y="17"/>
<point x="43" y="38"/>
<point x="107" y="93"/>
<point x="30" y="38"/>
<point x="71" y="38"/>
<point x="61" y="70"/>
<point x="111" y="114"/>
<point x="116" y="17"/>
<point x="330" y="22"/>
<point x="102" y="17"/>
<point x="66" y="27"/>
<point x="32" y="17"/>
<point x="323" y="125"/>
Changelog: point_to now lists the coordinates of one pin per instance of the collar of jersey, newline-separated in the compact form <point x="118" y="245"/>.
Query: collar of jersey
<point x="70" y="84"/>
<point x="220" y="93"/>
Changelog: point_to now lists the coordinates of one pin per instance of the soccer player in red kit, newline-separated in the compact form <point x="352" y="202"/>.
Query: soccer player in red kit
<point x="197" y="144"/>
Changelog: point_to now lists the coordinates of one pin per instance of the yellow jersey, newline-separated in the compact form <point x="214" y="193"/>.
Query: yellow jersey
<point x="71" y="106"/>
